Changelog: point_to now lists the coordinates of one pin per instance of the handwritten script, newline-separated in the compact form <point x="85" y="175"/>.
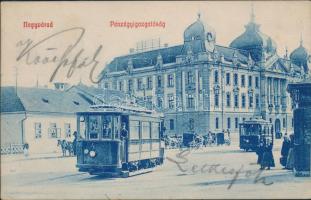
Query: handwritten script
<point x="183" y="166"/>
<point x="71" y="57"/>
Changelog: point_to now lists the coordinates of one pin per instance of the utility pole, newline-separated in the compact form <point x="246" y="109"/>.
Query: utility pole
<point x="16" y="76"/>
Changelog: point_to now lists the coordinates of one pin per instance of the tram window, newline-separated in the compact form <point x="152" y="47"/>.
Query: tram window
<point x="155" y="130"/>
<point x="134" y="130"/>
<point x="82" y="131"/>
<point x="145" y="134"/>
<point x="116" y="127"/>
<point x="94" y="127"/>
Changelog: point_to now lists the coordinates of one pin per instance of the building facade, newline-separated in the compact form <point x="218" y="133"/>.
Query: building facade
<point x="201" y="86"/>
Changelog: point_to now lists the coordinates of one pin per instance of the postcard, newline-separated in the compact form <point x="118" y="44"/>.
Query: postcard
<point x="155" y="100"/>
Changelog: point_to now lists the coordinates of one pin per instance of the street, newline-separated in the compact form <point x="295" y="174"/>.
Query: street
<point x="211" y="172"/>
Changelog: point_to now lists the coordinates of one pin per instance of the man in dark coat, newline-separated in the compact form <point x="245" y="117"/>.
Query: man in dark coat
<point x="259" y="152"/>
<point x="74" y="143"/>
<point x="284" y="150"/>
<point x="124" y="142"/>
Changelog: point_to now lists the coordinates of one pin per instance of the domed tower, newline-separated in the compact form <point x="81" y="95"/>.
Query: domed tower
<point x="254" y="42"/>
<point x="301" y="57"/>
<point x="199" y="37"/>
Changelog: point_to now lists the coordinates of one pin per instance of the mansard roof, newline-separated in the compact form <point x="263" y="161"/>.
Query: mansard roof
<point x="169" y="54"/>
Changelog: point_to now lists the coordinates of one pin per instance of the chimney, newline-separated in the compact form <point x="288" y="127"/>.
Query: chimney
<point x="132" y="50"/>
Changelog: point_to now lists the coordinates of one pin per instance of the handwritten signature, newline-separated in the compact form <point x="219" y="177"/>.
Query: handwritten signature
<point x="68" y="58"/>
<point x="182" y="161"/>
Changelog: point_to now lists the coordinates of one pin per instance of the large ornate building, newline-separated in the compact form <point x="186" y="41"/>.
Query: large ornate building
<point x="201" y="86"/>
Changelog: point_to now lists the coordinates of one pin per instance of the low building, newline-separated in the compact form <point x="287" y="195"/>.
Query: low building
<point x="38" y="117"/>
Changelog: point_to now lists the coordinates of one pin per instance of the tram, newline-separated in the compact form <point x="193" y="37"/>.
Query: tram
<point x="253" y="131"/>
<point x="118" y="140"/>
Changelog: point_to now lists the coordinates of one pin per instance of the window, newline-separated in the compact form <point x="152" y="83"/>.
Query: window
<point x="216" y="100"/>
<point x="106" y="85"/>
<point x="270" y="120"/>
<point x="82" y="128"/>
<point x="67" y="130"/>
<point x="191" y="124"/>
<point x="216" y="76"/>
<point x="228" y="78"/>
<point x="236" y="121"/>
<point x="134" y="129"/>
<point x="94" y="127"/>
<point x="159" y="81"/>
<point x="130" y="85"/>
<point x="190" y="77"/>
<point x="284" y="123"/>
<point x="228" y="100"/>
<point x="243" y="119"/>
<point x="228" y="123"/>
<point x="243" y="80"/>
<point x="146" y="130"/>
<point x="250" y="80"/>
<point x="243" y="100"/>
<point x="160" y="102"/>
<point x="170" y="101"/>
<point x="38" y="131"/>
<point x="257" y="82"/>
<point x="217" y="123"/>
<point x="155" y="130"/>
<point x="170" y="80"/>
<point x="235" y="79"/>
<point x="257" y="100"/>
<point x="121" y="85"/>
<point x="250" y="103"/>
<point x="236" y="100"/>
<point x="139" y="84"/>
<point x="190" y="101"/>
<point x="172" y="124"/>
<point x="149" y="82"/>
<point x="53" y="131"/>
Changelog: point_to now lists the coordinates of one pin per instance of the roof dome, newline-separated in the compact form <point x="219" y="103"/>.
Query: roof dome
<point x="199" y="37"/>
<point x="254" y="41"/>
<point x="300" y="57"/>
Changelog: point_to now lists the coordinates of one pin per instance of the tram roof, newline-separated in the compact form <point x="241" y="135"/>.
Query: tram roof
<point x="255" y="121"/>
<point x="105" y="108"/>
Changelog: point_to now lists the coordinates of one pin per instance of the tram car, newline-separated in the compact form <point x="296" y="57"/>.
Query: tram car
<point x="118" y="141"/>
<point x="253" y="131"/>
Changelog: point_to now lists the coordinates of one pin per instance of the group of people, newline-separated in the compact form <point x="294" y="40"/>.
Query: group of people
<point x="265" y="155"/>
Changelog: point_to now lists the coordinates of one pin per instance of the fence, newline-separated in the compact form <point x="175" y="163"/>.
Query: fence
<point x="12" y="149"/>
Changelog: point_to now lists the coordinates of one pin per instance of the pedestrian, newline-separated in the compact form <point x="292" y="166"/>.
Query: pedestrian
<point x="228" y="132"/>
<point x="259" y="152"/>
<point x="74" y="143"/>
<point x="290" y="157"/>
<point x="284" y="150"/>
<point x="124" y="142"/>
<point x="267" y="158"/>
<point x="26" y="149"/>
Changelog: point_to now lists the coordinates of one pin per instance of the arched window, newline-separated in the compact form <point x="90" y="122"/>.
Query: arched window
<point x="191" y="124"/>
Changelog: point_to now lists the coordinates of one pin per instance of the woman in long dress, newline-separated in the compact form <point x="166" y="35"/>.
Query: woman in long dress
<point x="284" y="150"/>
<point x="267" y="159"/>
<point x="290" y="157"/>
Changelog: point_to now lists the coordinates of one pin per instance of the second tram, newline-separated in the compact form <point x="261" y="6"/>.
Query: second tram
<point x="253" y="131"/>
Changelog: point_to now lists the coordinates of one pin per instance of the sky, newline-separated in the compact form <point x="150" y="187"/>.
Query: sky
<point x="286" y="22"/>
